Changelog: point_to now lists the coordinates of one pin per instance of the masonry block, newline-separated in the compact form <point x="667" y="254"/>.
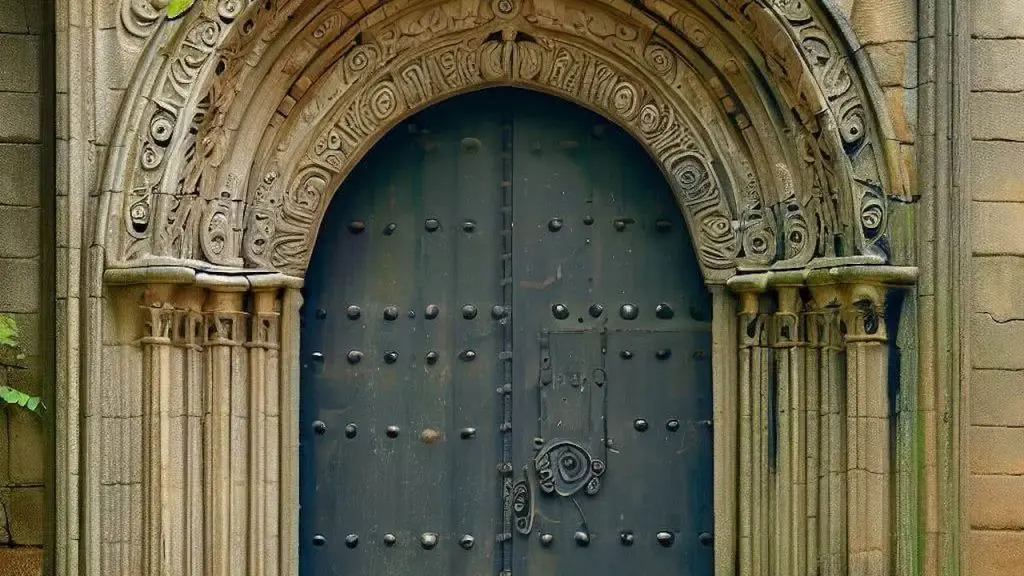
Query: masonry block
<point x="26" y="513"/>
<point x="997" y="65"/>
<point x="23" y="273"/>
<point x="20" y="226"/>
<point x="21" y="561"/>
<point x="19" y="54"/>
<point x="996" y="227"/>
<point x="996" y="450"/>
<point x="895" y="63"/>
<point x="27" y="448"/>
<point x="995" y="278"/>
<point x="13" y="19"/>
<point x="995" y="553"/>
<point x="19" y="117"/>
<point x="880" y="21"/>
<point x="996" y="502"/>
<point x="996" y="344"/>
<point x="995" y="170"/>
<point x="997" y="398"/>
<point x="997" y="115"/>
<point x="997" y="18"/>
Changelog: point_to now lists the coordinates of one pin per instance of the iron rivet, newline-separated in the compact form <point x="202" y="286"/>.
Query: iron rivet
<point x="392" y="431"/>
<point x="629" y="312"/>
<point x="467" y="355"/>
<point x="581" y="538"/>
<point x="663" y="354"/>
<point x="538" y="442"/>
<point x="353" y="312"/>
<point x="391" y="357"/>
<point x="708" y="423"/>
<point x="469" y="311"/>
<point x="560" y="311"/>
<point x="546" y="540"/>
<point x="431" y="224"/>
<point x="640" y="424"/>
<point x="390" y="229"/>
<point x="470" y="144"/>
<point x="609" y="442"/>
<point x="318" y="356"/>
<point x="664" y="311"/>
<point x="626" y="354"/>
<point x="432" y="311"/>
<point x="698" y="355"/>
<point x="588" y="219"/>
<point x="466" y="542"/>
<point x="672" y="425"/>
<point x="428" y="540"/>
<point x="432" y="358"/>
<point x="391" y="313"/>
<point x="354" y="357"/>
<point x="321" y="313"/>
<point x="498" y="312"/>
<point x="620" y="224"/>
<point x="319" y="427"/>
<point x="705" y="538"/>
<point x="356" y="226"/>
<point x="665" y="538"/>
<point x="467" y="433"/>
<point x="352" y="540"/>
<point x="555" y="224"/>
<point x="596" y="310"/>
<point x="319" y="540"/>
<point x="468" y="226"/>
<point x="627" y="538"/>
<point x="411" y="314"/>
<point x="663" y="225"/>
<point x="505" y="468"/>
<point x="389" y="540"/>
<point x="351" y="430"/>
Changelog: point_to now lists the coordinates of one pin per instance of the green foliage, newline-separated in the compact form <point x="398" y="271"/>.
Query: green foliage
<point x="178" y="7"/>
<point x="9" y="350"/>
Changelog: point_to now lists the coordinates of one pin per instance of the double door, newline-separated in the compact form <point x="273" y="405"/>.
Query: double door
<point x="506" y="356"/>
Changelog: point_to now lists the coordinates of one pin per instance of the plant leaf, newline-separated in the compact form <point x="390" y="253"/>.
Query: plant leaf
<point x="17" y="397"/>
<point x="178" y="7"/>
<point x="33" y="404"/>
<point x="8" y="332"/>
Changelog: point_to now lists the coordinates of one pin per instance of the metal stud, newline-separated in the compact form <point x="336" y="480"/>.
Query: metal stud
<point x="666" y="538"/>
<point x="664" y="311"/>
<point x="318" y="356"/>
<point x="351" y="430"/>
<point x="596" y="310"/>
<point x="467" y="355"/>
<point x="392" y="431"/>
<point x="390" y="540"/>
<point x="354" y="357"/>
<point x="620" y="224"/>
<point x="663" y="225"/>
<point x="319" y="540"/>
<point x="411" y="314"/>
<point x="390" y="229"/>
<point x="356" y="226"/>
<point x="663" y="354"/>
<point x="581" y="538"/>
<point x="640" y="424"/>
<point x="468" y="226"/>
<point x="498" y="312"/>
<point x="672" y="425"/>
<point x="469" y="311"/>
<point x="353" y="312"/>
<point x="467" y="433"/>
<point x="391" y="357"/>
<point x="432" y="357"/>
<point x="432" y="224"/>
<point x="352" y="540"/>
<point x="428" y="540"/>
<point x="627" y="538"/>
<point x="467" y="542"/>
<point x="432" y="311"/>
<point x="555" y="224"/>
<point x="319" y="427"/>
<point x="560" y="311"/>
<point x="391" y="313"/>
<point x="321" y="314"/>
<point x="698" y="355"/>
<point x="546" y="540"/>
<point x="588" y="219"/>
<point x="629" y="312"/>
<point x="705" y="539"/>
<point x="626" y="354"/>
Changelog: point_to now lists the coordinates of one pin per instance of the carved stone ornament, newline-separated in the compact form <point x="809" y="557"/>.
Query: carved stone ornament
<point x="259" y="110"/>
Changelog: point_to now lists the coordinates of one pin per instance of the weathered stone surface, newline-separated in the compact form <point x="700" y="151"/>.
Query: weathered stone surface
<point x="20" y="113"/>
<point x="27" y="447"/>
<point x="996" y="116"/>
<point x="19" y="174"/>
<point x="895" y="63"/>
<point x="902" y="104"/>
<point x="997" y="18"/>
<point x="13" y="18"/>
<point x="20" y="226"/>
<point x="997" y="398"/>
<point x="996" y="171"/>
<point x="995" y="279"/>
<point x="996" y="450"/>
<point x="997" y="65"/>
<point x="26" y="509"/>
<point x="996" y="228"/>
<point x="20" y="57"/>
<point x="21" y="561"/>
<point x="997" y="344"/>
<point x="879" y="21"/>
<point x="24" y="274"/>
<point x="996" y="502"/>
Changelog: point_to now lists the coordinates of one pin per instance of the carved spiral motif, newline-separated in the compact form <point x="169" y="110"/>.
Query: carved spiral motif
<point x="229" y="9"/>
<point x="205" y="33"/>
<point x="504" y="8"/>
<point x="649" y="121"/>
<point x="795" y="11"/>
<point x="328" y="24"/>
<point x="660" y="59"/>
<point x="161" y="127"/>
<point x="383" y="100"/>
<point x="717" y="240"/>
<point x="565" y="468"/>
<point x="851" y="125"/>
<point x="693" y="179"/>
<point x="872" y="216"/>
<point x="625" y="100"/>
<point x="151" y="156"/>
<point x="360" y="58"/>
<point x="308" y="193"/>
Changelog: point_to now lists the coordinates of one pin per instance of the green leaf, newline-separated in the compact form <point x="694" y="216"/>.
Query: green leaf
<point x="18" y="398"/>
<point x="178" y="7"/>
<point x="8" y="332"/>
<point x="33" y="404"/>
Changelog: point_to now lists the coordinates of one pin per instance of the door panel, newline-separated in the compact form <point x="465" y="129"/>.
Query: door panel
<point x="549" y="387"/>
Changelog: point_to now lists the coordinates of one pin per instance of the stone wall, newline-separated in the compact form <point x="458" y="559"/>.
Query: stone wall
<point x="995" y="441"/>
<point x="23" y="452"/>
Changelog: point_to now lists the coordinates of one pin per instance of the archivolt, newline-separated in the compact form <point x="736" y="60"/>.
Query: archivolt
<point x="232" y="151"/>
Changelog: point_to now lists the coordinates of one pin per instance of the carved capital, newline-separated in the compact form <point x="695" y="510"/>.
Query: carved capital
<point x="863" y="307"/>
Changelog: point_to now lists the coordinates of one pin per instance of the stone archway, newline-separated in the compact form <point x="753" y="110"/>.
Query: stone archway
<point x="244" y="120"/>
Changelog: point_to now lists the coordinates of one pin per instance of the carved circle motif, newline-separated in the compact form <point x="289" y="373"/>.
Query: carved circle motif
<point x="383" y="100"/>
<point x="565" y="468"/>
<point x="625" y="100"/>
<point x="660" y="59"/>
<point x="229" y="9"/>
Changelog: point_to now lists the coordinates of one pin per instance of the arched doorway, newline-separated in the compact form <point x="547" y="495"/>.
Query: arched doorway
<point x="507" y="343"/>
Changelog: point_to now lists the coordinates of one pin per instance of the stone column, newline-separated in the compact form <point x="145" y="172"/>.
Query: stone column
<point x="752" y="376"/>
